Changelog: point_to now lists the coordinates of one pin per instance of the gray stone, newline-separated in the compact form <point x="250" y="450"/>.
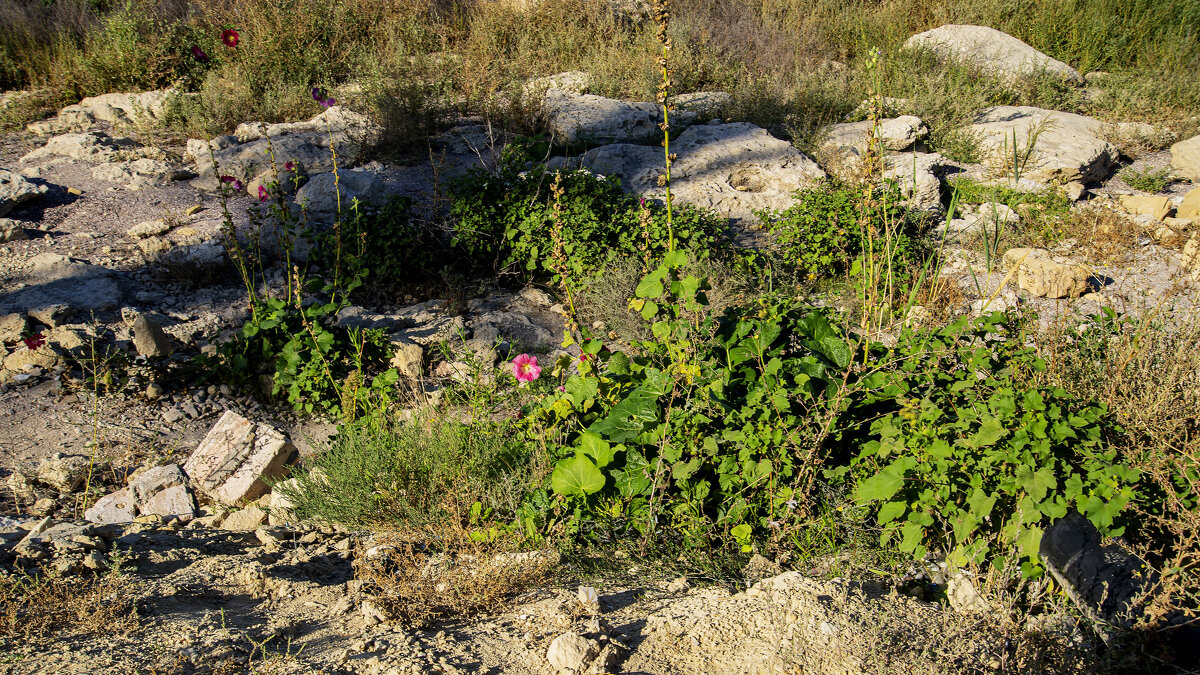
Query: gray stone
<point x="58" y="287"/>
<point x="92" y="146"/>
<point x="16" y="190"/>
<point x="12" y="230"/>
<point x="1065" y="147"/>
<point x="570" y="653"/>
<point x="734" y="169"/>
<point x="586" y="118"/>
<point x="575" y="82"/>
<point x="149" y="338"/>
<point x="115" y="507"/>
<point x="407" y="357"/>
<point x="142" y="170"/>
<point x="320" y="195"/>
<point x="116" y="108"/>
<point x="917" y="177"/>
<point x="233" y="460"/>
<point x="894" y="134"/>
<point x="65" y="474"/>
<point x="706" y="105"/>
<point x="248" y="153"/>
<point x="992" y="51"/>
<point x="161" y="491"/>
<point x="245" y="520"/>
<point x="13" y="327"/>
<point x="1046" y="275"/>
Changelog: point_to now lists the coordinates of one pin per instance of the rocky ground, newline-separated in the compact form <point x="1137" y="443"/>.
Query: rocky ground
<point x="112" y="252"/>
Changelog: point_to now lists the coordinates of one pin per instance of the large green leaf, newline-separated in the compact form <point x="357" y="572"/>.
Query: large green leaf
<point x="883" y="485"/>
<point x="576" y="477"/>
<point x="629" y="418"/>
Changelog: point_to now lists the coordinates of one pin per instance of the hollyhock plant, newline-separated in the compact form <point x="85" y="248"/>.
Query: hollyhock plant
<point x="230" y="37"/>
<point x="199" y="54"/>
<point x="526" y="369"/>
<point x="289" y="166"/>
<point x="263" y="195"/>
<point x="233" y="182"/>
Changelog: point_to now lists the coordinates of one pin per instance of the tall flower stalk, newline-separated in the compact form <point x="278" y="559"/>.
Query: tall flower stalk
<point x="662" y="16"/>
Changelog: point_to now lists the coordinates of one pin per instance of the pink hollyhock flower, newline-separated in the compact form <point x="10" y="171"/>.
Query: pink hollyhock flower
<point x="199" y="54"/>
<point x="233" y="182"/>
<point x="230" y="37"/>
<point x="263" y="194"/>
<point x="34" y="341"/>
<point x="526" y="368"/>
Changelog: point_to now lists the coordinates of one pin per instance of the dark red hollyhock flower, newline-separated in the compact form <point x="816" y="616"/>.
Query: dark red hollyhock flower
<point x="235" y="183"/>
<point x="230" y="37"/>
<point x="199" y="54"/>
<point x="34" y="341"/>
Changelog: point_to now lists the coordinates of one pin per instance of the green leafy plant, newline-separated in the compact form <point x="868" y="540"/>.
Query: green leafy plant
<point x="821" y="232"/>
<point x="384" y="244"/>
<point x="1148" y="179"/>
<point x="506" y="221"/>
<point x="974" y="463"/>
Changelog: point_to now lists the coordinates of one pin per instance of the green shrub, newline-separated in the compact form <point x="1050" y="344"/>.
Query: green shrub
<point x="380" y="471"/>
<point x="1147" y="180"/>
<point x="975" y="463"/>
<point x="505" y="221"/>
<point x="384" y="244"/>
<point x="719" y="428"/>
<point x="826" y="229"/>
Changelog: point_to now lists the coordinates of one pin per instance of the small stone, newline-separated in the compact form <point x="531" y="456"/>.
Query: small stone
<point x="65" y="474"/>
<point x="571" y="652"/>
<point x="193" y="210"/>
<point x="172" y="415"/>
<point x="149" y="228"/>
<point x="1142" y="205"/>
<point x="149" y="338"/>
<point x="678" y="586"/>
<point x="963" y="597"/>
<point x="372" y="614"/>
<point x="155" y="391"/>
<point x="74" y="191"/>
<point x="1047" y="276"/>
<point x="589" y="600"/>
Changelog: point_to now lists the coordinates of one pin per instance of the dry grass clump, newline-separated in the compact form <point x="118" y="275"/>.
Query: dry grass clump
<point x="449" y="574"/>
<point x="1148" y="373"/>
<point x="37" y="604"/>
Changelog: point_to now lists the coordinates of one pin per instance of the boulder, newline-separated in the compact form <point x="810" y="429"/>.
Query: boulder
<point x="320" y="194"/>
<point x="734" y="169"/>
<point x="245" y="520"/>
<point x="145" y="107"/>
<point x="256" y="147"/>
<point x="13" y="327"/>
<point x="1046" y="275"/>
<point x="94" y="146"/>
<point x="991" y="51"/>
<point x="408" y="358"/>
<point x="233" y="460"/>
<point x="575" y="82"/>
<point x="917" y="176"/>
<point x="1185" y="158"/>
<point x="161" y="491"/>
<point x="15" y="190"/>
<point x="706" y="105"/>
<point x="1156" y="207"/>
<point x="11" y="230"/>
<point x="142" y="170"/>
<point x="586" y="118"/>
<point x="58" y="287"/>
<point x="25" y="358"/>
<point x="1052" y="146"/>
<point x="894" y="134"/>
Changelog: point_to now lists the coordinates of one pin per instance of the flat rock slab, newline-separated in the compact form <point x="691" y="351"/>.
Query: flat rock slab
<point x="59" y="287"/>
<point x="734" y="169"/>
<point x="1062" y="147"/>
<point x="586" y="118"/>
<point x="117" y="108"/>
<point x="15" y="190"/>
<point x="94" y="146"/>
<point x="1046" y="275"/>
<point x="257" y="147"/>
<point x="233" y="460"/>
<point x="991" y="51"/>
<point x="894" y="134"/>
